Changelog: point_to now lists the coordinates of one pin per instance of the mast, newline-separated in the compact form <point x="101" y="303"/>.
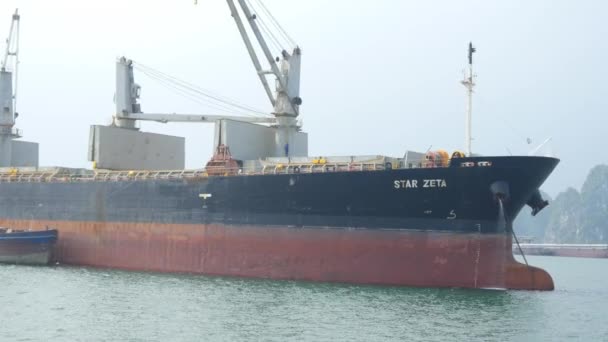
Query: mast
<point x="469" y="83"/>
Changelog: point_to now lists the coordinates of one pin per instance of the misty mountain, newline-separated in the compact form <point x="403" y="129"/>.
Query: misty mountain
<point x="573" y="216"/>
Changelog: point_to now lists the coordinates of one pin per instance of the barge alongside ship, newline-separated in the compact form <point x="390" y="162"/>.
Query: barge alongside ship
<point x="27" y="247"/>
<point x="429" y="220"/>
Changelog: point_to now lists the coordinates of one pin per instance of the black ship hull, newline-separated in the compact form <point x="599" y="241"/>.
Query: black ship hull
<point x="457" y="202"/>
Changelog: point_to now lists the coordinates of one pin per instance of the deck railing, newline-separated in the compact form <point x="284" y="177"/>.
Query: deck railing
<point x="63" y="175"/>
<point x="80" y="175"/>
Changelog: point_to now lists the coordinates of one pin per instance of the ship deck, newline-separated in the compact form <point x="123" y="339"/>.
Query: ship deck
<point x="270" y="166"/>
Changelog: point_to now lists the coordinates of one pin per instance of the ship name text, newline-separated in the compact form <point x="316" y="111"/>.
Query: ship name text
<point x="422" y="183"/>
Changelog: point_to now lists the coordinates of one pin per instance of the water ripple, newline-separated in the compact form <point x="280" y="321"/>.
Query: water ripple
<point x="81" y="304"/>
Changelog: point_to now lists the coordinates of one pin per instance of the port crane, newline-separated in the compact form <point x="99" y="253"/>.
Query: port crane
<point x="8" y="92"/>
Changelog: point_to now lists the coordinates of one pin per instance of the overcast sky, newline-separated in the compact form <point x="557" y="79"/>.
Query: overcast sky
<point x="378" y="77"/>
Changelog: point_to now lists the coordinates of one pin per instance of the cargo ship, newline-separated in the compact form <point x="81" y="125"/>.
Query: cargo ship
<point x="263" y="208"/>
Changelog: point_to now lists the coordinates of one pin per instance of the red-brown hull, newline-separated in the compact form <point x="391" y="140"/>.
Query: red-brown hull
<point x="367" y="256"/>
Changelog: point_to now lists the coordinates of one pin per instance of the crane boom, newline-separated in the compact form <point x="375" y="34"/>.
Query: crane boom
<point x="287" y="100"/>
<point x="254" y="57"/>
<point x="258" y="35"/>
<point x="128" y="109"/>
<point x="12" y="53"/>
<point x="12" y="42"/>
<point x="173" y="117"/>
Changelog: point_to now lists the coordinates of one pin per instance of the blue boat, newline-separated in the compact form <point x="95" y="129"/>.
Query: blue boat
<point x="27" y="247"/>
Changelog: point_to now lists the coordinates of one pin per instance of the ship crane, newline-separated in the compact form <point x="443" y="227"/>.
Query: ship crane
<point x="128" y="108"/>
<point x="286" y="101"/>
<point x="8" y="92"/>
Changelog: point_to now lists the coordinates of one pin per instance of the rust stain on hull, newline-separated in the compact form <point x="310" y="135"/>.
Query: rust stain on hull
<point x="387" y="257"/>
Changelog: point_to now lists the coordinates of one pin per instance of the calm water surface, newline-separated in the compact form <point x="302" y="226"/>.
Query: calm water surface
<point x="83" y="304"/>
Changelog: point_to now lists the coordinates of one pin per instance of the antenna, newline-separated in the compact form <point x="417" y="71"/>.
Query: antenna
<point x="469" y="83"/>
<point x="535" y="150"/>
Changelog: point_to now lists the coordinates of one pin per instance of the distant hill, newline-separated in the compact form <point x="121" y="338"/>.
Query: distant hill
<point x="573" y="216"/>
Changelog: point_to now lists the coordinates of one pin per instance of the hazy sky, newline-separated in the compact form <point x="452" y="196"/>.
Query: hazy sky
<point x="378" y="77"/>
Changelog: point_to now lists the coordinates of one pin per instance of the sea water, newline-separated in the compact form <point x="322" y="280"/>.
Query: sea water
<point x="85" y="304"/>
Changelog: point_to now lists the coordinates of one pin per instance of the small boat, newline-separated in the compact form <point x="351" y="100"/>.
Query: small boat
<point x="27" y="247"/>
